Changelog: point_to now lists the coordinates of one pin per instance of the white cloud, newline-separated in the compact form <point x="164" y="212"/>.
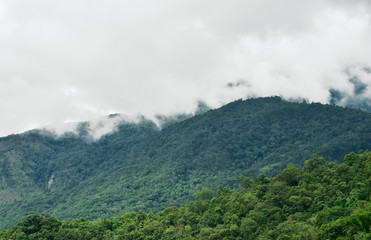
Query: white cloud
<point x="80" y="60"/>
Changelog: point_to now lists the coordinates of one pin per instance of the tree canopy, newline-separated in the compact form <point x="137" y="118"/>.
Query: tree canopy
<point x="143" y="167"/>
<point x="323" y="201"/>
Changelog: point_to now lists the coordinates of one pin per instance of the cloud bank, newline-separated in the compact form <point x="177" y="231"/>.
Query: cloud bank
<point x="67" y="61"/>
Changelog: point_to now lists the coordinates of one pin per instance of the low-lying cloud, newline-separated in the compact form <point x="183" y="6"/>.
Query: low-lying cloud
<point x="69" y="61"/>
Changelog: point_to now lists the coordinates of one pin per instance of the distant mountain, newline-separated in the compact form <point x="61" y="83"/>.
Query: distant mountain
<point x="143" y="167"/>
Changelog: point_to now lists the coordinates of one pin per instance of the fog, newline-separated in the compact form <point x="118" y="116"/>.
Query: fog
<point x="70" y="61"/>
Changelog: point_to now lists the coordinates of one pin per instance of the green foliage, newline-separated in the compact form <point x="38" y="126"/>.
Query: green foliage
<point x="142" y="167"/>
<point x="204" y="194"/>
<point x="290" y="176"/>
<point x="307" y="208"/>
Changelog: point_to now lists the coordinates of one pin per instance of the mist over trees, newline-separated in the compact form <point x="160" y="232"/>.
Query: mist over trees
<point x="143" y="167"/>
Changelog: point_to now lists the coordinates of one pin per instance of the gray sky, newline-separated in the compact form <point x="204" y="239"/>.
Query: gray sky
<point x="73" y="60"/>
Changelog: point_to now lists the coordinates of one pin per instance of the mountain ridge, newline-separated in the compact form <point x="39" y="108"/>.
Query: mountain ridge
<point x="142" y="167"/>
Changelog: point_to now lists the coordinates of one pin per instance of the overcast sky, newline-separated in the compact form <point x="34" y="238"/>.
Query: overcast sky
<point x="73" y="60"/>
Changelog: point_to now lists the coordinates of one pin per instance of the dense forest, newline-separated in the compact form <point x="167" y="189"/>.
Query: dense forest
<point x="323" y="201"/>
<point x="141" y="167"/>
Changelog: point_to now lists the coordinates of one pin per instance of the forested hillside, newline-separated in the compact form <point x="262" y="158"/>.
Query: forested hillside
<point x="323" y="201"/>
<point x="143" y="167"/>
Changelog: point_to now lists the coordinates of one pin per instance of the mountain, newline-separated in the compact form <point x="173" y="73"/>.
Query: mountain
<point x="323" y="201"/>
<point x="143" y="167"/>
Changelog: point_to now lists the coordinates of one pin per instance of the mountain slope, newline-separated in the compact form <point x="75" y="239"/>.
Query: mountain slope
<point x="140" y="167"/>
<point x="323" y="201"/>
